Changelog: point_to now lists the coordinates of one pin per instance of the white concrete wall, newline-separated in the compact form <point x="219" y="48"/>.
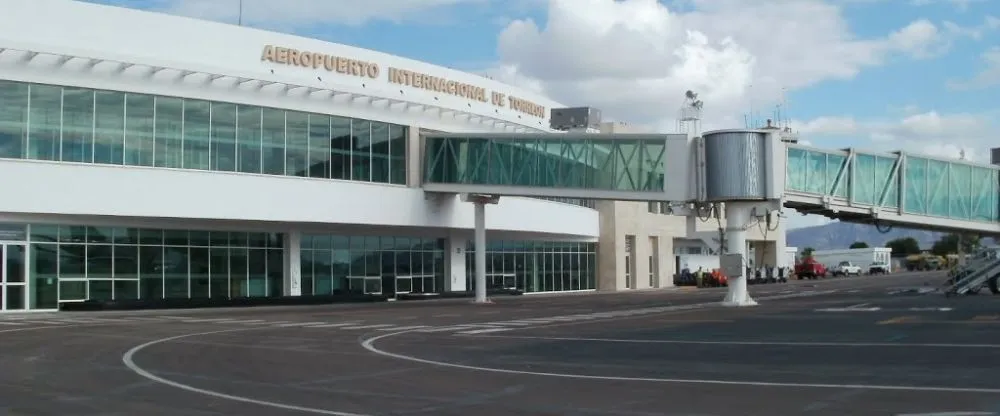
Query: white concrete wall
<point x="178" y="43"/>
<point x="70" y="189"/>
<point x="620" y="219"/>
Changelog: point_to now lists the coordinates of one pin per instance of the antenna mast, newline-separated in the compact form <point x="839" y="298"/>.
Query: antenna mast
<point x="689" y="117"/>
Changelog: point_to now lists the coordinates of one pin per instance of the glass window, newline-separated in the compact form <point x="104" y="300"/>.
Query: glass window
<point x="380" y="152"/>
<point x="296" y="143"/>
<point x="273" y="153"/>
<point x="397" y="154"/>
<point x="223" y="137"/>
<point x="78" y="125"/>
<point x="197" y="129"/>
<point x="109" y="127"/>
<point x="168" y="151"/>
<point x="248" y="139"/>
<point x="139" y="121"/>
<point x="13" y="119"/>
<point x="198" y="267"/>
<point x="319" y="146"/>
<point x="45" y="122"/>
<point x="340" y="148"/>
<point x="361" y="150"/>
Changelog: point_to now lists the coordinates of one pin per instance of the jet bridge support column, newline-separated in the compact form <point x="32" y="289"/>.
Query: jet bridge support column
<point x="738" y="219"/>
<point x="745" y="171"/>
<point x="479" y="242"/>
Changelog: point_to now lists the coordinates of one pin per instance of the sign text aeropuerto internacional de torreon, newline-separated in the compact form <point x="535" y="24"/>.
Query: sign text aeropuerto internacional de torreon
<point x="372" y="70"/>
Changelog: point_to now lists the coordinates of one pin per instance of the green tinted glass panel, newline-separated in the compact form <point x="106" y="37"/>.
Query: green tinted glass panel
<point x="49" y="122"/>
<point x="571" y="162"/>
<point x="950" y="189"/>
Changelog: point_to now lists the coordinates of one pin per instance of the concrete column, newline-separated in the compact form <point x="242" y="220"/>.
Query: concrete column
<point x="738" y="215"/>
<point x="667" y="264"/>
<point x="479" y="244"/>
<point x="455" y="261"/>
<point x="414" y="157"/>
<point x="293" y="263"/>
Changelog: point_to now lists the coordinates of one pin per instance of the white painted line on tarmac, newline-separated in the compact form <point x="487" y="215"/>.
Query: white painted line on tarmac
<point x="872" y="309"/>
<point x="129" y="362"/>
<point x="760" y="343"/>
<point x="294" y="324"/>
<point x="369" y="344"/>
<point x="446" y="328"/>
<point x="335" y="325"/>
<point x="367" y="326"/>
<point x="403" y="328"/>
<point x="484" y="331"/>
<point x="11" y="323"/>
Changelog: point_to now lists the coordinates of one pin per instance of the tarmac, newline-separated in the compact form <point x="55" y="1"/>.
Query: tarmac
<point x="885" y="345"/>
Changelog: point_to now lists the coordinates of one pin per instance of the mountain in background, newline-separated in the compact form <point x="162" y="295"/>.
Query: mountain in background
<point x="840" y="235"/>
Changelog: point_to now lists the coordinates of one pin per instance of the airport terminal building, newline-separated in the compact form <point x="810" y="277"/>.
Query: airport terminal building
<point x="150" y="156"/>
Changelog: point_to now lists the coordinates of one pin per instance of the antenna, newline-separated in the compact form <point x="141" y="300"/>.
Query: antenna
<point x="961" y="154"/>
<point x="240" y="21"/>
<point x="689" y="117"/>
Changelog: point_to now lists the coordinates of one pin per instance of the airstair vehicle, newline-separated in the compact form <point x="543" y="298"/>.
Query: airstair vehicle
<point x="983" y="270"/>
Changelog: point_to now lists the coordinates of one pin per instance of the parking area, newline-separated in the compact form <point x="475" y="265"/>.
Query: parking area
<point x="884" y="346"/>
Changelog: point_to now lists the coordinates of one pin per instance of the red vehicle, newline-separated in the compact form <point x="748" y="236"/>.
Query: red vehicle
<point x="809" y="268"/>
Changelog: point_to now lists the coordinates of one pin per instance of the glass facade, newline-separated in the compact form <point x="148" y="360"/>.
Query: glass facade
<point x="571" y="161"/>
<point x="932" y="187"/>
<point x="334" y="264"/>
<point x="536" y="266"/>
<point x="45" y="122"/>
<point x="78" y="262"/>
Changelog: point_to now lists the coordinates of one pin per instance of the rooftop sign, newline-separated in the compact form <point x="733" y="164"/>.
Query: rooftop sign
<point x="372" y="70"/>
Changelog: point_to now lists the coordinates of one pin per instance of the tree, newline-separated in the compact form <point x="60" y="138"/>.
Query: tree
<point x="808" y="252"/>
<point x="859" y="244"/>
<point x="948" y="244"/>
<point x="904" y="246"/>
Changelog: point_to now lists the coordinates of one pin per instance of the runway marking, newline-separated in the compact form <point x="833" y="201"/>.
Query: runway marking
<point x="369" y="344"/>
<point x="986" y="318"/>
<point x="849" y="309"/>
<point x="336" y="325"/>
<point x="485" y="331"/>
<point x="759" y="343"/>
<point x="403" y="328"/>
<point x="294" y="324"/>
<point x="897" y="320"/>
<point x="128" y="360"/>
<point x="367" y="326"/>
<point x="950" y="414"/>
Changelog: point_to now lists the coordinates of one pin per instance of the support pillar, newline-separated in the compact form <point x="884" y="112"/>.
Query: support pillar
<point x="479" y="243"/>
<point x="479" y="203"/>
<point x="293" y="263"/>
<point x="738" y="217"/>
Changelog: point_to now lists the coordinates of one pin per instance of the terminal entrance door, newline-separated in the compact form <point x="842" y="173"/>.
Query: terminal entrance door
<point x="13" y="277"/>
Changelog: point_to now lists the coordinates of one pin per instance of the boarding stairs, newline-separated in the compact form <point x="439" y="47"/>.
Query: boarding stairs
<point x="981" y="271"/>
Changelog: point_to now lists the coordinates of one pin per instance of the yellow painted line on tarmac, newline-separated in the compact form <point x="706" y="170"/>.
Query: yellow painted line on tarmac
<point x="986" y="318"/>
<point x="898" y="320"/>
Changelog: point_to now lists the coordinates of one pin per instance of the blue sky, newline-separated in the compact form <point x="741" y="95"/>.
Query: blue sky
<point x="920" y="75"/>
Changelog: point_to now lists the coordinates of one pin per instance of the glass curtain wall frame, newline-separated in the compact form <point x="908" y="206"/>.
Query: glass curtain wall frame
<point x="71" y="124"/>
<point x="339" y="264"/>
<point x="533" y="266"/>
<point x="72" y="263"/>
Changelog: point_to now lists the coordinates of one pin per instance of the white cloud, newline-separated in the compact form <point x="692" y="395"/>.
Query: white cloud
<point x="988" y="76"/>
<point x="635" y="58"/>
<point x="928" y="132"/>
<point x="961" y="5"/>
<point x="308" y="13"/>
